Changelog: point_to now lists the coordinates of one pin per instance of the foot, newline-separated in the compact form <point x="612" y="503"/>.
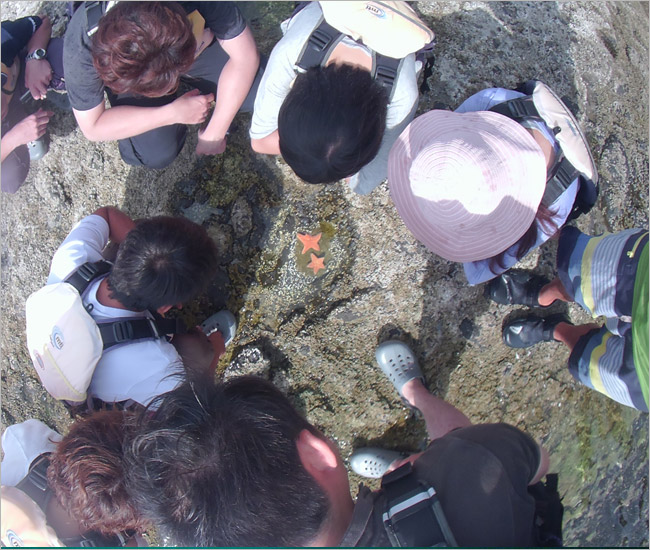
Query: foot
<point x="222" y="321"/>
<point x="398" y="363"/>
<point x="531" y="330"/>
<point x="373" y="462"/>
<point x="516" y="287"/>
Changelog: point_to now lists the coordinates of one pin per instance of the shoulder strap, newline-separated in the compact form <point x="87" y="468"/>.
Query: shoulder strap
<point x="86" y="274"/>
<point x="125" y="330"/>
<point x="385" y="72"/>
<point x="318" y="46"/>
<point x="34" y="484"/>
<point x="94" y="12"/>
<point x="562" y="173"/>
<point x="413" y="515"/>
<point x="322" y="41"/>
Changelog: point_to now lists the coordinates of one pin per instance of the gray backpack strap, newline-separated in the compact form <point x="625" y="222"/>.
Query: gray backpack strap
<point x="562" y="173"/>
<point x="34" y="484"/>
<point x="86" y="274"/>
<point x="319" y="45"/>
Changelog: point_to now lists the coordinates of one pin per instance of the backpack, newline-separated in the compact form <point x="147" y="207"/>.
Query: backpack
<point x="65" y="343"/>
<point x="413" y="515"/>
<point x="574" y="159"/>
<point x="392" y="30"/>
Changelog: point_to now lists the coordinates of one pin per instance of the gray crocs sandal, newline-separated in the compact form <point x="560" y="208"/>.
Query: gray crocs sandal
<point x="398" y="363"/>
<point x="372" y="461"/>
<point x="224" y="322"/>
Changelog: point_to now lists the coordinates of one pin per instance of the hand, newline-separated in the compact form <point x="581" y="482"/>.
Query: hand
<point x="210" y="147"/>
<point x="192" y="107"/>
<point x="38" y="74"/>
<point x="31" y="128"/>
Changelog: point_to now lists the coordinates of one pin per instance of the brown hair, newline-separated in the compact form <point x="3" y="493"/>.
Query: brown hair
<point x="544" y="217"/>
<point x="87" y="473"/>
<point x="143" y="48"/>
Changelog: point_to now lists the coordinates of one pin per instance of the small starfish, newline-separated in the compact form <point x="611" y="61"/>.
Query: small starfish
<point x="309" y="242"/>
<point x="316" y="263"/>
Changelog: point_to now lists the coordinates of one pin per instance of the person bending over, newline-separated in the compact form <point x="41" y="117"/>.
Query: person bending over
<point x="137" y="52"/>
<point x="333" y="121"/>
<point x="77" y="481"/>
<point x="236" y="465"/>
<point x="161" y="263"/>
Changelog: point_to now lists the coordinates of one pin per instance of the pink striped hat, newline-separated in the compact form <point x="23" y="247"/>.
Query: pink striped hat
<point x="467" y="185"/>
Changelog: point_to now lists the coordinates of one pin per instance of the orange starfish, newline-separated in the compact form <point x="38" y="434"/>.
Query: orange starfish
<point x="316" y="263"/>
<point x="309" y="242"/>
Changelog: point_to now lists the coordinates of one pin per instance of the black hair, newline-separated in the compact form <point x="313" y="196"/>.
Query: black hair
<point x="162" y="261"/>
<point x="332" y="122"/>
<point x="217" y="465"/>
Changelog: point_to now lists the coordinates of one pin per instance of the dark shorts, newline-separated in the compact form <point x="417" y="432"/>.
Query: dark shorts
<point x="159" y="147"/>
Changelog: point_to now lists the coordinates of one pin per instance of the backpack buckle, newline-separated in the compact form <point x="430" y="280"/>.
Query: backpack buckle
<point x="122" y="331"/>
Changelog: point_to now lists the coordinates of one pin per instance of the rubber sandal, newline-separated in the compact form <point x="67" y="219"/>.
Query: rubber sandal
<point x="372" y="461"/>
<point x="398" y="363"/>
<point x="224" y="322"/>
<point x="531" y="330"/>
<point x="516" y="287"/>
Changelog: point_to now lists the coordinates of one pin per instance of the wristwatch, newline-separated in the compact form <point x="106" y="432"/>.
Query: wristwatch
<point x="38" y="53"/>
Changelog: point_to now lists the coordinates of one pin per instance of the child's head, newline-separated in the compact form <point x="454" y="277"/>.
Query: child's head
<point x="163" y="261"/>
<point x="332" y="122"/>
<point x="143" y="47"/>
<point x="467" y="185"/>
<point x="87" y="474"/>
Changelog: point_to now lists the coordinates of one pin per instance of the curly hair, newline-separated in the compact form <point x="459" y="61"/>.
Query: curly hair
<point x="332" y="122"/>
<point x="143" y="48"/>
<point x="87" y="474"/>
<point x="162" y="261"/>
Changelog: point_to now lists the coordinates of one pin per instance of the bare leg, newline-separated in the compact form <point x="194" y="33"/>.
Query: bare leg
<point x="570" y="334"/>
<point x="440" y="417"/>
<point x="551" y="292"/>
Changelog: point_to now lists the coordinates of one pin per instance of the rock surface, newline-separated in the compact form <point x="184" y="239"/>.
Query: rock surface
<point x="314" y="335"/>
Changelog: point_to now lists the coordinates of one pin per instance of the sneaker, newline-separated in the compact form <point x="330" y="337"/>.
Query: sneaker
<point x="531" y="330"/>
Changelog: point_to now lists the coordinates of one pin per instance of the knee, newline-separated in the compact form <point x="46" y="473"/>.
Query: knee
<point x="14" y="171"/>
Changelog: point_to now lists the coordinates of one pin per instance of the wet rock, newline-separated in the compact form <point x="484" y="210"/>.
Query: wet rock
<point x="241" y="217"/>
<point x="250" y="361"/>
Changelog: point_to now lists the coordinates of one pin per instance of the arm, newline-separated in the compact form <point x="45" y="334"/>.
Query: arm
<point x="234" y="84"/>
<point x="38" y="72"/>
<point x="28" y="129"/>
<point x="269" y="145"/>
<point x="119" y="224"/>
<point x="124" y="121"/>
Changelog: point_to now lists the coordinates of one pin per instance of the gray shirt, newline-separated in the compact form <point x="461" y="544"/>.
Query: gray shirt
<point x="280" y="74"/>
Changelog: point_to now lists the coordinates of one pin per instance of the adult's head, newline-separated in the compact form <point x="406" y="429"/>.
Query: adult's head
<point x="232" y="465"/>
<point x="332" y="122"/>
<point x="163" y="261"/>
<point x="467" y="185"/>
<point x="87" y="472"/>
<point x="143" y="47"/>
